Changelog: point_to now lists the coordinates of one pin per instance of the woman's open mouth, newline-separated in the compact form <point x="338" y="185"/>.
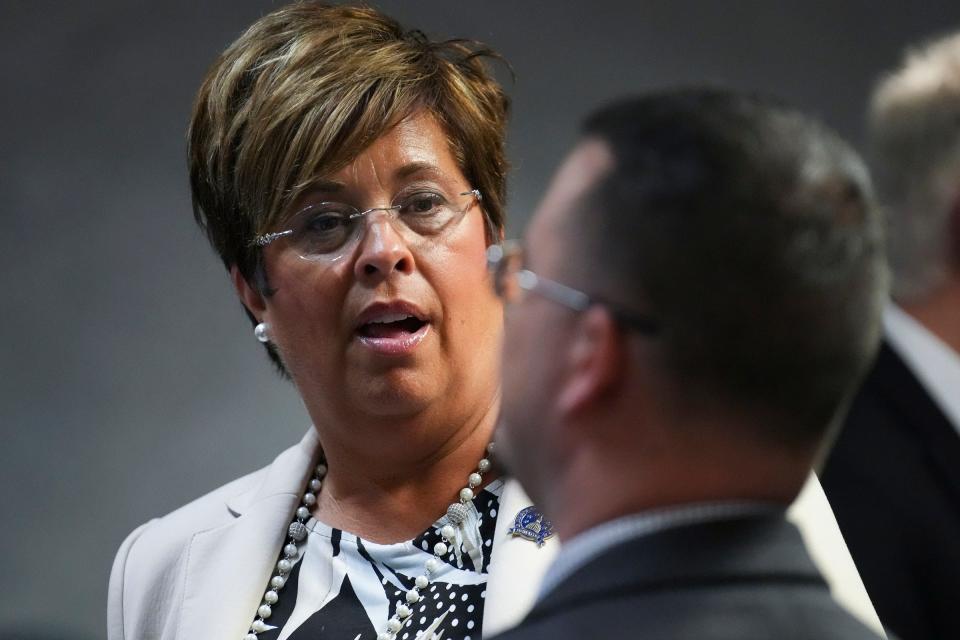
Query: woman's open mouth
<point x="392" y="332"/>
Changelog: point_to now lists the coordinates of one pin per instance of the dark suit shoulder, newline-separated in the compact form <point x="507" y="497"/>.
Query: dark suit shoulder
<point x="733" y="612"/>
<point x="738" y="578"/>
<point x="893" y="481"/>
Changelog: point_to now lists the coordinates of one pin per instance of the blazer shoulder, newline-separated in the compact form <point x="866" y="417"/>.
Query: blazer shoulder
<point x="209" y="511"/>
<point x="148" y="580"/>
<point x="145" y="582"/>
<point x="115" y="627"/>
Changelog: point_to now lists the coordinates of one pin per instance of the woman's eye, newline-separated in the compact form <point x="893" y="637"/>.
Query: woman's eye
<point x="422" y="203"/>
<point x="326" y="222"/>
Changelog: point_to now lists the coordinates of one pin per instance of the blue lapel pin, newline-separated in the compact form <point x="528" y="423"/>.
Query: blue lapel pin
<point x="531" y="525"/>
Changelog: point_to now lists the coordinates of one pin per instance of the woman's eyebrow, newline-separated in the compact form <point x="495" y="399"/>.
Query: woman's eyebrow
<point x="412" y="168"/>
<point x="323" y="185"/>
<point x="327" y="186"/>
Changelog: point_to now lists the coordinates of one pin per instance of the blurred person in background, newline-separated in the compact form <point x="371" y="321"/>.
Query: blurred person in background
<point x="350" y="174"/>
<point x="696" y="300"/>
<point x="893" y="478"/>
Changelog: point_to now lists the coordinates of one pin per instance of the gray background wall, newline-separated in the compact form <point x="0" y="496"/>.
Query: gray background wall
<point x="131" y="380"/>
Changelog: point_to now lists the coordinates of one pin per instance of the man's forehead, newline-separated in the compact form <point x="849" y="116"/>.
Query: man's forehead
<point x="589" y="161"/>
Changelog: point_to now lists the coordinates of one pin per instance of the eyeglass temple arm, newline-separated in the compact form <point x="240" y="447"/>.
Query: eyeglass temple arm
<point x="267" y="238"/>
<point x="579" y="301"/>
<point x="552" y="290"/>
<point x="643" y="324"/>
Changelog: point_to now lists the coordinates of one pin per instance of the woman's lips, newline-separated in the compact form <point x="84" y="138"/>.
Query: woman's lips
<point x="392" y="328"/>
<point x="391" y="340"/>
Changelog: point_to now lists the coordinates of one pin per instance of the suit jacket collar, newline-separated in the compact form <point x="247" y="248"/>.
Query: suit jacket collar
<point x="762" y="548"/>
<point x="898" y="386"/>
<point x="228" y="567"/>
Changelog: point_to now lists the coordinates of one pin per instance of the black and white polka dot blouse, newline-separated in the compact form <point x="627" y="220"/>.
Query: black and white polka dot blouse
<point x="344" y="588"/>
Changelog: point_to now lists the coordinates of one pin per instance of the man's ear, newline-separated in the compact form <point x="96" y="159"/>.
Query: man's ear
<point x="249" y="295"/>
<point x="595" y="361"/>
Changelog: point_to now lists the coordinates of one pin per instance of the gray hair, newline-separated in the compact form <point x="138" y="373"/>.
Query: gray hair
<point x="914" y="131"/>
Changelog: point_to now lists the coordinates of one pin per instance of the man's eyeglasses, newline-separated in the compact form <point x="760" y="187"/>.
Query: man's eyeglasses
<point x="326" y="231"/>
<point x="512" y="283"/>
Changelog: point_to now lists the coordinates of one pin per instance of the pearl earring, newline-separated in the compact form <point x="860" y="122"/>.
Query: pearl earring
<point x="260" y="331"/>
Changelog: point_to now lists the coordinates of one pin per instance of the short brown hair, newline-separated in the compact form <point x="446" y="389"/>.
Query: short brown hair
<point x="304" y="90"/>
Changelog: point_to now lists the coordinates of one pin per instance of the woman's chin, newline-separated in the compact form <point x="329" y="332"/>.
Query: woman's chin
<point x="399" y="393"/>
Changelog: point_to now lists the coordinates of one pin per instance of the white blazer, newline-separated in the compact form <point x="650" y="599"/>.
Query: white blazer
<point x="201" y="571"/>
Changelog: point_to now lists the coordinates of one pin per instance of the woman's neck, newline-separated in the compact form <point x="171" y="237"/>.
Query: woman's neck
<point x="394" y="496"/>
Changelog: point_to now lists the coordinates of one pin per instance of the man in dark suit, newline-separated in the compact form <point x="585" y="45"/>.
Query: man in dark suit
<point x="893" y="477"/>
<point x="697" y="296"/>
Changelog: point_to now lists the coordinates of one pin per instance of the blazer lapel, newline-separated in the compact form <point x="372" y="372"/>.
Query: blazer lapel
<point x="517" y="566"/>
<point x="228" y="567"/>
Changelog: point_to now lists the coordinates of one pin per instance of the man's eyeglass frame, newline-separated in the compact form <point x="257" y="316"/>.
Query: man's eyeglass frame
<point x="558" y="292"/>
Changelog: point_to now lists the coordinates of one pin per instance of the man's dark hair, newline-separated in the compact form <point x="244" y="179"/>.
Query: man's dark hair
<point x="749" y="231"/>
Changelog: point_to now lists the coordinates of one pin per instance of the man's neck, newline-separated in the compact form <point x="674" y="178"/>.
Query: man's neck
<point x="593" y="491"/>
<point x="939" y="312"/>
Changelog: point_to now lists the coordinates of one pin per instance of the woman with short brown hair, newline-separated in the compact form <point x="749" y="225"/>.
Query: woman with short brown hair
<point x="350" y="175"/>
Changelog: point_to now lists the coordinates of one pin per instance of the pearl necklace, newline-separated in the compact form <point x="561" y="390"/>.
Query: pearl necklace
<point x="297" y="534"/>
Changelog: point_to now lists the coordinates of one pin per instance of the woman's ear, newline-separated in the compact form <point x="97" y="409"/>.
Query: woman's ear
<point x="595" y="361"/>
<point x="249" y="295"/>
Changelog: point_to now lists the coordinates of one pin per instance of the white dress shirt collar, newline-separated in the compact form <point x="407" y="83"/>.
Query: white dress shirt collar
<point x="935" y="364"/>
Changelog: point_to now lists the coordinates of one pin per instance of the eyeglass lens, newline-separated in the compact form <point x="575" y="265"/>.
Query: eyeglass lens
<point x="329" y="230"/>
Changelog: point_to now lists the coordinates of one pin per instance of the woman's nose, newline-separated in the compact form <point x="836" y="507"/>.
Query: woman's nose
<point x="383" y="250"/>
